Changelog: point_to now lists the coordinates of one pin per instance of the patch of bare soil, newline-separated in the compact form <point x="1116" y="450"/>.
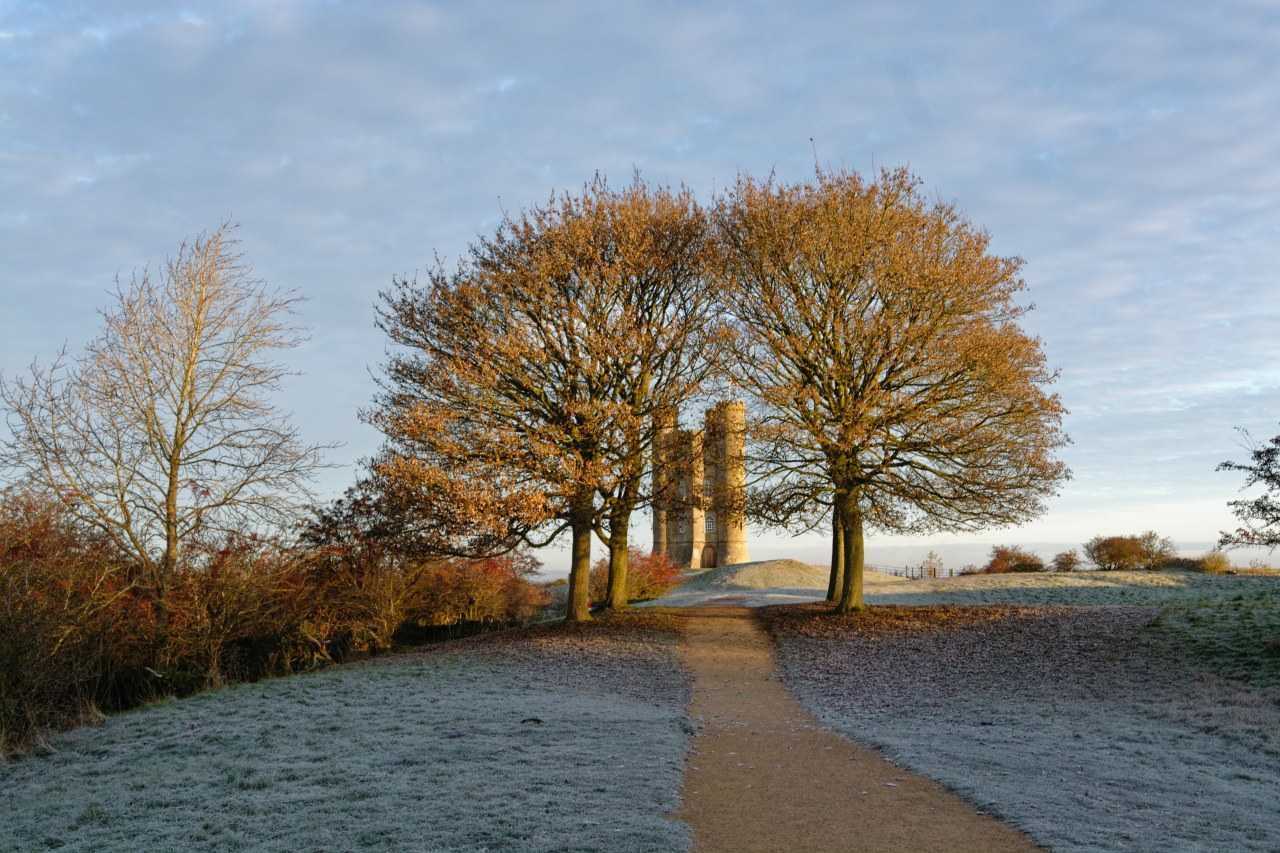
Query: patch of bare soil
<point x="763" y="775"/>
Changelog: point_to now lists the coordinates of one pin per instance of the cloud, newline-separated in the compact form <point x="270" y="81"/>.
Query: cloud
<point x="1127" y="152"/>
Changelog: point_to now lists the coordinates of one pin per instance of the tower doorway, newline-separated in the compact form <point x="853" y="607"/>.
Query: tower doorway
<point x="709" y="557"/>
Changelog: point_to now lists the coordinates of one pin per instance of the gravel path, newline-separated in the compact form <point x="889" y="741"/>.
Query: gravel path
<point x="562" y="740"/>
<point x="763" y="775"/>
<point x="1073" y="723"/>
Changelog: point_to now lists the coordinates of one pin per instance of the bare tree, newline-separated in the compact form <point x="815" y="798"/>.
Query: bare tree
<point x="879" y="341"/>
<point x="521" y="400"/>
<point x="163" y="429"/>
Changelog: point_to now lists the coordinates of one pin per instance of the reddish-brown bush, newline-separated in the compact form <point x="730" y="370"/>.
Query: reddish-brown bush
<point x="367" y="599"/>
<point x="1127" y="553"/>
<point x="239" y="612"/>
<point x="1066" y="561"/>
<point x="77" y="633"/>
<point x="648" y="576"/>
<point x="64" y="646"/>
<point x="360" y="596"/>
<point x="490" y="590"/>
<point x="1010" y="558"/>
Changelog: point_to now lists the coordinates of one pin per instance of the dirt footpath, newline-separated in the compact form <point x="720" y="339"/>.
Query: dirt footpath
<point x="763" y="775"/>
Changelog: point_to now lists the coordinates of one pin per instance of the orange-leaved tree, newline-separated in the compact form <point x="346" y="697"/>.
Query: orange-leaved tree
<point x="522" y="397"/>
<point x="878" y="339"/>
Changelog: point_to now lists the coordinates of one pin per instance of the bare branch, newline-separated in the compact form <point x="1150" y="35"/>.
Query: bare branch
<point x="163" y="429"/>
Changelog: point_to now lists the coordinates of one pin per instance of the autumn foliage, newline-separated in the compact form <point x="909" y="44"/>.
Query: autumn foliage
<point x="1006" y="558"/>
<point x="79" y="632"/>
<point x="874" y="333"/>
<point x="520" y="395"/>
<point x="1066" y="561"/>
<point x="879" y="338"/>
<point x="649" y="576"/>
<point x="69" y="623"/>
<point x="1128" y="553"/>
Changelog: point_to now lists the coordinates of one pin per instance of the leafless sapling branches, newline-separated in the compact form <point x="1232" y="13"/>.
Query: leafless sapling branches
<point x="163" y="430"/>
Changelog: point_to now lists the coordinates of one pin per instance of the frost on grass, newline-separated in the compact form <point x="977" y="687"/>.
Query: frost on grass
<point x="1234" y="635"/>
<point x="1086" y="727"/>
<point x="760" y="584"/>
<point x="562" y="740"/>
<point x="1073" y="589"/>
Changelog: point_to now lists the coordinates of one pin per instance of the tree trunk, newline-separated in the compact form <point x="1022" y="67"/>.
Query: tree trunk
<point x="619" y="560"/>
<point x="835" y="585"/>
<point x="169" y="564"/>
<point x="851" y="592"/>
<point x="578" y="608"/>
<point x="170" y="561"/>
<point x="659" y="509"/>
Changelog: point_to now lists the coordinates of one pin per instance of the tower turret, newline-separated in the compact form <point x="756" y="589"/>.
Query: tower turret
<point x="726" y="435"/>
<point x="685" y="521"/>
<point x="663" y="428"/>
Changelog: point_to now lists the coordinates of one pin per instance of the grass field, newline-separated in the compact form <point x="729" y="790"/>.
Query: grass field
<point x="1094" y="710"/>
<point x="1236" y="635"/>
<point x="565" y="741"/>
<point x="1227" y="624"/>
<point x="1076" y="589"/>
<point x="1135" y="711"/>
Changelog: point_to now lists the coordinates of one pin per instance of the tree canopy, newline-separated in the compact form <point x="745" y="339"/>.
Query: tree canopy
<point x="522" y="396"/>
<point x="878" y="339"/>
<point x="1259" y="516"/>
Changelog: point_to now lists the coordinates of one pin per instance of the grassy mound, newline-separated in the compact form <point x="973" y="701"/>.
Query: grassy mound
<point x="772" y="574"/>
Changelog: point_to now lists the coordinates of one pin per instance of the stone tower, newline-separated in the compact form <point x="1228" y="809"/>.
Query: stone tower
<point x="726" y="432"/>
<point x="686" y="523"/>
<point x="663" y="427"/>
<point x="699" y="476"/>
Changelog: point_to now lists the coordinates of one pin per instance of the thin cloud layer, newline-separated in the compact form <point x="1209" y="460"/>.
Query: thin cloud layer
<point x="1130" y="155"/>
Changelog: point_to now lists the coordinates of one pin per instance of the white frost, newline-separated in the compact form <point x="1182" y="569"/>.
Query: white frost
<point x="422" y="751"/>
<point x="760" y="584"/>
<point x="1083" y="727"/>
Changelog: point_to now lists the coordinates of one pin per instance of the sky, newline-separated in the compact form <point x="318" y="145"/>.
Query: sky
<point x="1130" y="153"/>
